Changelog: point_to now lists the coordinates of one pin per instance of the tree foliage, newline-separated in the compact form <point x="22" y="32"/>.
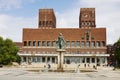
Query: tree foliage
<point x="8" y="51"/>
<point x="117" y="52"/>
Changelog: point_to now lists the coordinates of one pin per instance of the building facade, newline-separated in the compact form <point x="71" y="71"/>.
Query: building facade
<point x="85" y="46"/>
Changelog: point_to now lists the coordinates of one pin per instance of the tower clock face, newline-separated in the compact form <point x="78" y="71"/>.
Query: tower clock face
<point x="86" y="15"/>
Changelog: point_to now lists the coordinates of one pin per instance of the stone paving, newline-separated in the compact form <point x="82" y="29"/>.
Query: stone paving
<point x="23" y="74"/>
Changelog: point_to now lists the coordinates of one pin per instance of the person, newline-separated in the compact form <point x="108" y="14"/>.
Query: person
<point x="49" y="66"/>
<point x="61" y="41"/>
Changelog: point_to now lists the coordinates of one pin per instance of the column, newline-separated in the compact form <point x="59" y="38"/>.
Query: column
<point x="95" y="61"/>
<point x="22" y="59"/>
<point x="58" y="60"/>
<point x="106" y="60"/>
<point x="62" y="59"/>
<point x="51" y="60"/>
<point x="46" y="59"/>
<point x="27" y="60"/>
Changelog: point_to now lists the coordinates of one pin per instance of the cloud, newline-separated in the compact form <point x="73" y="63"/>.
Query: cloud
<point x="11" y="27"/>
<point x="107" y="15"/>
<point x="10" y="4"/>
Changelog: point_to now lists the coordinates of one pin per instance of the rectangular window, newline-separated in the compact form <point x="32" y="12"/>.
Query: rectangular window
<point x="97" y="44"/>
<point x="88" y="60"/>
<point x="93" y="60"/>
<point x="83" y="60"/>
<point x="29" y="43"/>
<point x="102" y="43"/>
<point x="83" y="43"/>
<point x="68" y="43"/>
<point x="72" y="60"/>
<point x="48" y="43"/>
<point x="43" y="43"/>
<point x="43" y="59"/>
<point x="87" y="44"/>
<point x="77" y="60"/>
<point x="39" y="43"/>
<point x="53" y="59"/>
<point x="93" y="44"/>
<point x="34" y="43"/>
<point x="38" y="59"/>
<point x="48" y="59"/>
<point x="25" y="43"/>
<point x="78" y="44"/>
<point x="73" y="44"/>
<point x="33" y="59"/>
<point x="53" y="43"/>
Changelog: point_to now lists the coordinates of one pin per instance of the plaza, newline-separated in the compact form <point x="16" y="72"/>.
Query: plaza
<point x="104" y="73"/>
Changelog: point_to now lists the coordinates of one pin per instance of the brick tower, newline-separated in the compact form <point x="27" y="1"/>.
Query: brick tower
<point x="47" y="18"/>
<point x="87" y="18"/>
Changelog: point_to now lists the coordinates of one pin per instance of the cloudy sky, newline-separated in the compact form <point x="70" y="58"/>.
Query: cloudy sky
<point x="18" y="14"/>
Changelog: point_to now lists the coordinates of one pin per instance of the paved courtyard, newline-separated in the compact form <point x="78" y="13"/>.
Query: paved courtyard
<point x="23" y="74"/>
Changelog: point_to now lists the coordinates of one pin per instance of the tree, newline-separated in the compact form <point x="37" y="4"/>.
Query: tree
<point x="8" y="51"/>
<point x="117" y="53"/>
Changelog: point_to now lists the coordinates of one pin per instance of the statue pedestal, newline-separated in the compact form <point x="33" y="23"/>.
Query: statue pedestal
<point x="60" y="59"/>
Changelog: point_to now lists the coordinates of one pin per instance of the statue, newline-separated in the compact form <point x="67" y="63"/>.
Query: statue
<point x="61" y="42"/>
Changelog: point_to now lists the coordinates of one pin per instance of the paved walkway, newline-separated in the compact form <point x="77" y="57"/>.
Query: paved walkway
<point x="22" y="74"/>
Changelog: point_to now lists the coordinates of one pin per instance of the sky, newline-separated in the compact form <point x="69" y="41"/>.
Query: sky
<point x="18" y="14"/>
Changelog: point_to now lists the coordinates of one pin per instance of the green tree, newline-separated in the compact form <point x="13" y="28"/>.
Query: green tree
<point x="8" y="51"/>
<point x="117" y="53"/>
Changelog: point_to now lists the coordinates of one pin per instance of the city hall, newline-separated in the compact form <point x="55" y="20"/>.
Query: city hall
<point x="84" y="46"/>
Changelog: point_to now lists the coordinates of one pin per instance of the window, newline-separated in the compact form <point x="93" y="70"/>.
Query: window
<point x="78" y="52"/>
<point x="88" y="60"/>
<point x="103" y="60"/>
<point x="33" y="59"/>
<point x="68" y="43"/>
<point x="72" y="60"/>
<point x="83" y="43"/>
<point x="103" y="52"/>
<point x="38" y="59"/>
<point x="67" y="60"/>
<point x="48" y="59"/>
<point x="83" y="60"/>
<point x="39" y="43"/>
<point x="97" y="52"/>
<point x="97" y="44"/>
<point x="24" y="59"/>
<point x="87" y="44"/>
<point x="46" y="23"/>
<point x="93" y="44"/>
<point x="34" y="43"/>
<point x="88" y="52"/>
<point x="53" y="43"/>
<point x="82" y="52"/>
<point x="25" y="43"/>
<point x="40" y="23"/>
<point x="43" y="43"/>
<point x="29" y="43"/>
<point x="50" y="23"/>
<point x="43" y="23"/>
<point x="93" y="60"/>
<point x="73" y="44"/>
<point x="93" y="52"/>
<point x="43" y="59"/>
<point x="102" y="43"/>
<point x="48" y="43"/>
<point x="77" y="60"/>
<point x="78" y="43"/>
<point x="53" y="59"/>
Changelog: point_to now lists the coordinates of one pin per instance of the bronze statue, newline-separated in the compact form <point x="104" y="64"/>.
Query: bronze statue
<point x="61" y="42"/>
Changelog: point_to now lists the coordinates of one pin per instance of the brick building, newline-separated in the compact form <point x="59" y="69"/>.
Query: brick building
<point x="85" y="46"/>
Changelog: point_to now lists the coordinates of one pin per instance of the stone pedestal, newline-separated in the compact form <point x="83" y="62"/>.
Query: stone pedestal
<point x="60" y="59"/>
